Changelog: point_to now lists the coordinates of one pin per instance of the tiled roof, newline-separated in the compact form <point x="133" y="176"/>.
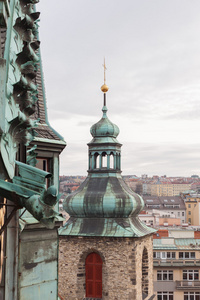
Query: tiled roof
<point x="43" y="130"/>
<point x="164" y="202"/>
<point x="40" y="105"/>
<point x="179" y="244"/>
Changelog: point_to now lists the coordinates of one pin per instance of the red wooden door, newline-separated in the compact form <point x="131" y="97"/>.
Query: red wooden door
<point x="93" y="270"/>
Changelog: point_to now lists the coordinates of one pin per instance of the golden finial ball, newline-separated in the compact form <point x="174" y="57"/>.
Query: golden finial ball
<point x="104" y="88"/>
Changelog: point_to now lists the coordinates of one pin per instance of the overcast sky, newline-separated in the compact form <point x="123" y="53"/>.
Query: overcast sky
<point x="152" y="51"/>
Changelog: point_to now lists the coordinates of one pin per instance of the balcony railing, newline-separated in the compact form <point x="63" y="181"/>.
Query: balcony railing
<point x="186" y="284"/>
<point x="176" y="262"/>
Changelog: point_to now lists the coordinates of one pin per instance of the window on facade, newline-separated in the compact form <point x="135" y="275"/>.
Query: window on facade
<point x="165" y="296"/>
<point x="189" y="205"/>
<point x="171" y="254"/>
<point x="189" y="212"/>
<point x="96" y="160"/>
<point x="154" y="206"/>
<point x="168" y="255"/>
<point x="183" y="214"/>
<point x="187" y="255"/>
<point x="191" y="296"/>
<point x="178" y="213"/>
<point x="190" y="275"/>
<point x="93" y="272"/>
<point x="164" y="275"/>
<point x="42" y="164"/>
<point x="189" y="220"/>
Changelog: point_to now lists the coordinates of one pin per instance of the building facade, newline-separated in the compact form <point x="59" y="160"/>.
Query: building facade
<point x="168" y="188"/>
<point x="166" y="207"/>
<point x="177" y="264"/>
<point x="192" y="208"/>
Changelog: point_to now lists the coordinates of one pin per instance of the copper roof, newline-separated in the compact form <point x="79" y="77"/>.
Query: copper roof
<point x="43" y="130"/>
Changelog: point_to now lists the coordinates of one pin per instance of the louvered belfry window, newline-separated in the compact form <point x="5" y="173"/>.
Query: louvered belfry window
<point x="93" y="270"/>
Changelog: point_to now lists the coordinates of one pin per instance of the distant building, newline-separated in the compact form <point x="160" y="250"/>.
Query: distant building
<point x="192" y="208"/>
<point x="168" y="188"/>
<point x="177" y="264"/>
<point x="167" y="207"/>
<point x="146" y="188"/>
<point x="158" y="218"/>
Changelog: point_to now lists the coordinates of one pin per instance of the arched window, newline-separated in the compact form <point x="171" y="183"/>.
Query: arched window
<point x="111" y="160"/>
<point x="145" y="281"/>
<point x="93" y="274"/>
<point x="96" y="160"/>
<point x="104" y="160"/>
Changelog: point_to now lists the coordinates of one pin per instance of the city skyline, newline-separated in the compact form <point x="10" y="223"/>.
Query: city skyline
<point x="153" y="71"/>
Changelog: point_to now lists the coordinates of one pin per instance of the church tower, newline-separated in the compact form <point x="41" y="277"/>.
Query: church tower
<point x="105" y="250"/>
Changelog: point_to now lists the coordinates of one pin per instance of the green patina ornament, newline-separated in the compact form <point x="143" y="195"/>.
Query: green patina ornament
<point x="28" y="190"/>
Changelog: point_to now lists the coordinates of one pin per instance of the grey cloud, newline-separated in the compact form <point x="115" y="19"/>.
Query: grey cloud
<point x="152" y="55"/>
<point x="159" y="159"/>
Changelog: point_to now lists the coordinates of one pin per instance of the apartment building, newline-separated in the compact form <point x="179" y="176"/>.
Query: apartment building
<point x="176" y="260"/>
<point x="192" y="208"/>
<point x="167" y="207"/>
<point x="168" y="188"/>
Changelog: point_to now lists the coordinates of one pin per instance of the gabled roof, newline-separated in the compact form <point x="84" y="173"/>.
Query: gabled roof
<point x="164" y="202"/>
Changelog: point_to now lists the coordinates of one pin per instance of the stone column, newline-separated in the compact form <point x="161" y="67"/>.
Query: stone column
<point x="108" y="161"/>
<point x="93" y="161"/>
<point x="115" y="161"/>
<point x="100" y="161"/>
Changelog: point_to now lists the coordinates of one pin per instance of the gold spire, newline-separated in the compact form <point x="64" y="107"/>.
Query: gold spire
<point x="104" y="66"/>
<point x="104" y="87"/>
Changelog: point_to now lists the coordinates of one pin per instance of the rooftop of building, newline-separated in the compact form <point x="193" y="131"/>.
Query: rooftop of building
<point x="164" y="202"/>
<point x="176" y="243"/>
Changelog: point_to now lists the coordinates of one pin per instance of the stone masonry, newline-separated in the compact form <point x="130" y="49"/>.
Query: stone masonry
<point x="127" y="266"/>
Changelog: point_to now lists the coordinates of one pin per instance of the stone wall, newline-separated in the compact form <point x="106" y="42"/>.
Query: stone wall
<point x="122" y="273"/>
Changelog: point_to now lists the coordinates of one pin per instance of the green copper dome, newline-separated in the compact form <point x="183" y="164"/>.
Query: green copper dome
<point x="103" y="197"/>
<point x="104" y="205"/>
<point x="104" y="128"/>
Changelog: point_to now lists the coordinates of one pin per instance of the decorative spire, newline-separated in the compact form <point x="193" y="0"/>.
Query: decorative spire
<point x="104" y="65"/>
<point x="104" y="87"/>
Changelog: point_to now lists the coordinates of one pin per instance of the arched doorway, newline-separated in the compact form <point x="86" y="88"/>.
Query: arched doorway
<point x="93" y="272"/>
